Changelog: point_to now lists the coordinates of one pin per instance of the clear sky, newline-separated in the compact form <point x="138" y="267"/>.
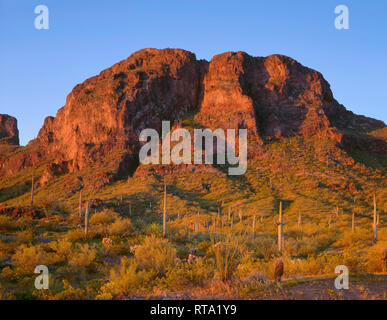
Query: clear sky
<point x="39" y="68"/>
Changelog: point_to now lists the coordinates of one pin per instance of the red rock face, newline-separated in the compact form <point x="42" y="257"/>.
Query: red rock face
<point x="271" y="97"/>
<point x="9" y="132"/>
<point x="107" y="112"/>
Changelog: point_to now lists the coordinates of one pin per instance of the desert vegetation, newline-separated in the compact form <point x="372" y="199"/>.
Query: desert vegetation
<point x="203" y="234"/>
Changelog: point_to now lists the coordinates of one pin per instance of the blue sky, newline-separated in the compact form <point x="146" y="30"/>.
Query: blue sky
<point x="38" y="68"/>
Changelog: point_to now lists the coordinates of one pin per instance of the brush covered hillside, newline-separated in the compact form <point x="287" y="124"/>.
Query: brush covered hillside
<point x="306" y="151"/>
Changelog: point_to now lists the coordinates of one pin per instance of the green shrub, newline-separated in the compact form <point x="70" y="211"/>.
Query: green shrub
<point x="105" y="217"/>
<point x="120" y="227"/>
<point x="156" y="254"/>
<point x="126" y="280"/>
<point x="84" y="256"/>
<point x="26" y="236"/>
<point x="26" y="258"/>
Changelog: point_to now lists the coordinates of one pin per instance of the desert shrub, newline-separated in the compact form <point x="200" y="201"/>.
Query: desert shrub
<point x="301" y="248"/>
<point x="104" y="217"/>
<point x="26" y="258"/>
<point x="83" y="256"/>
<point x="178" y="233"/>
<point x="359" y="238"/>
<point x="373" y="259"/>
<point x="26" y="236"/>
<point x="62" y="250"/>
<point x="120" y="227"/>
<point x="70" y="293"/>
<point x="264" y="247"/>
<point x="156" y="254"/>
<point x="7" y="224"/>
<point x="154" y="229"/>
<point x="76" y="235"/>
<point x="25" y="222"/>
<point x="185" y="274"/>
<point x="126" y="280"/>
<point x="5" y="294"/>
<point x="6" y="250"/>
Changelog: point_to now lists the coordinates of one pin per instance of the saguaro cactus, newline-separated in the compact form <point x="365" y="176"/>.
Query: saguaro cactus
<point x="240" y="216"/>
<point x="254" y="227"/>
<point x="165" y="212"/>
<point x="353" y="221"/>
<point x="280" y="229"/>
<point x="130" y="209"/>
<point x="32" y="191"/>
<point x="80" y="206"/>
<point x="299" y="218"/>
<point x="87" y="218"/>
<point x="375" y="225"/>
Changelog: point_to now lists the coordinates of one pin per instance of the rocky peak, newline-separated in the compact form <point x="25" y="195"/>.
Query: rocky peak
<point x="9" y="132"/>
<point x="272" y="97"/>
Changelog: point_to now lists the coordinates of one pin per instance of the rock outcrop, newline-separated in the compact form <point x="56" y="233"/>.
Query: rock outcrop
<point x="9" y="132"/>
<point x="273" y="97"/>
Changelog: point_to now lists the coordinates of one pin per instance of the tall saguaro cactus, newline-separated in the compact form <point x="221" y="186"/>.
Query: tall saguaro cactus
<point x="80" y="206"/>
<point x="32" y="191"/>
<point x="87" y="218"/>
<point x="280" y="229"/>
<point x="375" y="225"/>
<point x="165" y="212"/>
<point x="254" y="227"/>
